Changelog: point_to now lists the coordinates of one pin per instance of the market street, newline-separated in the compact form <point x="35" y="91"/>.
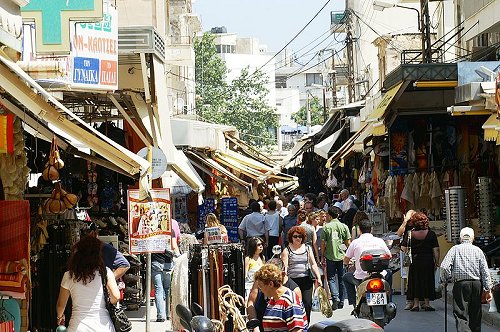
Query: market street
<point x="405" y="321"/>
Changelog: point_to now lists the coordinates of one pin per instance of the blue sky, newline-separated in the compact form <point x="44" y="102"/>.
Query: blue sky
<point x="273" y="22"/>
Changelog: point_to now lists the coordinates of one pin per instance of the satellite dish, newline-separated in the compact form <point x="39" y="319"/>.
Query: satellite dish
<point x="179" y="103"/>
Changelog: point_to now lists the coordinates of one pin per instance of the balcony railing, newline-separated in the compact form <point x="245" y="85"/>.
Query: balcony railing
<point x="415" y="56"/>
<point x="180" y="40"/>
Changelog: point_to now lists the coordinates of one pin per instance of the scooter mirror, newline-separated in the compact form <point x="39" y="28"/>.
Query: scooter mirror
<point x="253" y="323"/>
<point x="196" y="309"/>
<point x="277" y="249"/>
<point x="202" y="324"/>
<point x="185" y="316"/>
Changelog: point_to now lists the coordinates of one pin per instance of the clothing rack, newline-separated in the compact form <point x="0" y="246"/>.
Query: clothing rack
<point x="210" y="267"/>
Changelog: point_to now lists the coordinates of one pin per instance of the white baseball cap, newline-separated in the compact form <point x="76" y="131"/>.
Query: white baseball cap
<point x="467" y="233"/>
<point x="338" y="205"/>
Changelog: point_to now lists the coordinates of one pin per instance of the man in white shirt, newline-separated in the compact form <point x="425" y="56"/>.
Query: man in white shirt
<point x="253" y="225"/>
<point x="364" y="242"/>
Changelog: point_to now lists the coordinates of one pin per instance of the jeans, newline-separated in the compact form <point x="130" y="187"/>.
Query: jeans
<point x="161" y="279"/>
<point x="351" y="283"/>
<point x="334" y="273"/>
<point x="350" y="286"/>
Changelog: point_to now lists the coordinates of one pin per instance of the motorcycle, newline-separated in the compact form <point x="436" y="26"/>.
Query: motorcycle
<point x="374" y="291"/>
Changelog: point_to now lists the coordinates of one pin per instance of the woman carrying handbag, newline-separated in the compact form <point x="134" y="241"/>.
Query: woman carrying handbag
<point x="301" y="266"/>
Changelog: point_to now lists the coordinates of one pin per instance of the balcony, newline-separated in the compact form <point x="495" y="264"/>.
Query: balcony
<point x="180" y="51"/>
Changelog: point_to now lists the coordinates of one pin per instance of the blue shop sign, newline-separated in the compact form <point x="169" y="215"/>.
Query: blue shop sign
<point x="86" y="70"/>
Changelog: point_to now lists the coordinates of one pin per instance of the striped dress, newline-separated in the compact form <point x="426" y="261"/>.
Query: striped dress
<point x="285" y="314"/>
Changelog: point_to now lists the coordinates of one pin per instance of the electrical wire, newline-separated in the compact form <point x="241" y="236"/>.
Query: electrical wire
<point x="301" y="30"/>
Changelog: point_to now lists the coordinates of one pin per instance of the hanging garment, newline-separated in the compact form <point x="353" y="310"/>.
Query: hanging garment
<point x="424" y="200"/>
<point x="402" y="203"/>
<point x="435" y="193"/>
<point x="416" y="189"/>
<point x="407" y="193"/>
<point x="179" y="290"/>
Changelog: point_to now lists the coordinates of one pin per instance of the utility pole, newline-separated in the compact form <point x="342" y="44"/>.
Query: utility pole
<point x="426" y="31"/>
<point x="308" y="113"/>
<point x="334" y="81"/>
<point x="350" y="56"/>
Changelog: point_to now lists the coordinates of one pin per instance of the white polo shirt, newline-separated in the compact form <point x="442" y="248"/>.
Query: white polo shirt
<point x="364" y="242"/>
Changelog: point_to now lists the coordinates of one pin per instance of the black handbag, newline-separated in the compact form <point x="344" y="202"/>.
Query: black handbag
<point x="310" y="271"/>
<point x="118" y="317"/>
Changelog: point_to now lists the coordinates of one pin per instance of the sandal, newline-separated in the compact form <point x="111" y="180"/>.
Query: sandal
<point x="409" y="306"/>
<point x="428" y="308"/>
<point x="416" y="308"/>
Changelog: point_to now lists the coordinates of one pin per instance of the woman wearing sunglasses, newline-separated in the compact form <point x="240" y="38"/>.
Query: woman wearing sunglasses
<point x="300" y="265"/>
<point x="253" y="261"/>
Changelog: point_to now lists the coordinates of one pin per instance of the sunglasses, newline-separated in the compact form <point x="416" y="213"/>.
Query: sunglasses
<point x="297" y="236"/>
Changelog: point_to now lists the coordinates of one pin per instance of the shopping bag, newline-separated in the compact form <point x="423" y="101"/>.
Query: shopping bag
<point x="315" y="301"/>
<point x="437" y="283"/>
<point x="324" y="302"/>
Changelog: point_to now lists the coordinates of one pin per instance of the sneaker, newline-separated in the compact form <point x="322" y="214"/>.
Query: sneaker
<point x="340" y="305"/>
<point x="335" y="304"/>
<point x="159" y="320"/>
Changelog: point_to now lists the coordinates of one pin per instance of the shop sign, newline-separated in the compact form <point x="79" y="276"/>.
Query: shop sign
<point x="94" y="53"/>
<point x="213" y="235"/>
<point x="53" y="20"/>
<point x="149" y="222"/>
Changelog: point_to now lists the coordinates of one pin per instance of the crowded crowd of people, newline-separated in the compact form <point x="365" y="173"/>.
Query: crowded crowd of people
<point x="290" y="249"/>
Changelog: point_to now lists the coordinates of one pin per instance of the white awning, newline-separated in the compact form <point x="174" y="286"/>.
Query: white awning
<point x="16" y="86"/>
<point x="323" y="147"/>
<point x="176" y="158"/>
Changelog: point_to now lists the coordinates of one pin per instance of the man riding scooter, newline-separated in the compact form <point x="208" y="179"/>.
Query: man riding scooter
<point x="357" y="250"/>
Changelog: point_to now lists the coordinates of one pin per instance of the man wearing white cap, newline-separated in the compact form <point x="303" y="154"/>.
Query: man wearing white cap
<point x="465" y="265"/>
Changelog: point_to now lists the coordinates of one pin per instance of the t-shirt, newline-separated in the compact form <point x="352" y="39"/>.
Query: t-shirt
<point x="253" y="224"/>
<point x="261" y="300"/>
<point x="113" y="258"/>
<point x="288" y="222"/>
<point x="89" y="311"/>
<point x="285" y="314"/>
<point x="364" y="242"/>
<point x="272" y="224"/>
<point x="334" y="235"/>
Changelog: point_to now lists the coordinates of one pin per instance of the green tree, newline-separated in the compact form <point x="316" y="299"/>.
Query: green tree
<point x="240" y="103"/>
<point x="300" y="117"/>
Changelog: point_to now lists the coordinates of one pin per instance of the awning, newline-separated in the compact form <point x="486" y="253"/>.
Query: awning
<point x="491" y="127"/>
<point x="388" y="99"/>
<point x="295" y="151"/>
<point x="345" y="149"/>
<point x="206" y="164"/>
<point x="250" y="151"/>
<point x="468" y="110"/>
<point x="176" y="185"/>
<point x="323" y="148"/>
<point x="15" y="85"/>
<point x="180" y="163"/>
<point x="358" y="145"/>
<point x="355" y="105"/>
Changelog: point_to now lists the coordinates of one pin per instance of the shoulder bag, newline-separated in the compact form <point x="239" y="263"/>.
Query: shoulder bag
<point x="310" y="271"/>
<point x="408" y="259"/>
<point x="118" y="317"/>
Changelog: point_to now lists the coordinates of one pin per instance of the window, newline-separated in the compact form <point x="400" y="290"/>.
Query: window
<point x="218" y="48"/>
<point x="280" y="82"/>
<point x="314" y="79"/>
<point x="224" y="48"/>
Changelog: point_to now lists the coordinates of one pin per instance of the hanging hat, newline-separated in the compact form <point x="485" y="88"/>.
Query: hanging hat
<point x="467" y="233"/>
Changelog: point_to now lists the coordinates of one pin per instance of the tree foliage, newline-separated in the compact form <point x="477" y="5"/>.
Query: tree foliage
<point x="240" y="103"/>
<point x="300" y="117"/>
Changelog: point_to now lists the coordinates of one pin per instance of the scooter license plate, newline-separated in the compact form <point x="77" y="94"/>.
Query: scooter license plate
<point x="376" y="298"/>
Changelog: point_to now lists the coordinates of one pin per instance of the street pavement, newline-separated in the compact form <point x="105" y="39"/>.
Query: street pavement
<point x="405" y="321"/>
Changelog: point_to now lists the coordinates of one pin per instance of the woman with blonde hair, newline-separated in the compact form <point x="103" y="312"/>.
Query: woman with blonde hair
<point x="212" y="221"/>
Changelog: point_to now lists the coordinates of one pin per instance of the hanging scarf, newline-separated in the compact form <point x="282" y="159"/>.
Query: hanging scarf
<point x="7" y="133"/>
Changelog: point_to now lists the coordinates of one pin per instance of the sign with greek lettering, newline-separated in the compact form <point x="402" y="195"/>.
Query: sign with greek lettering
<point x="213" y="235"/>
<point x="94" y="53"/>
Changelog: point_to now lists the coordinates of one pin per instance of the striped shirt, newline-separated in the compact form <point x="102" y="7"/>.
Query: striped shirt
<point x="465" y="261"/>
<point x="285" y="314"/>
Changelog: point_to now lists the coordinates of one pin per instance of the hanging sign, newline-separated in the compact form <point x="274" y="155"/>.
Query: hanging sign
<point x="213" y="235"/>
<point x="149" y="223"/>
